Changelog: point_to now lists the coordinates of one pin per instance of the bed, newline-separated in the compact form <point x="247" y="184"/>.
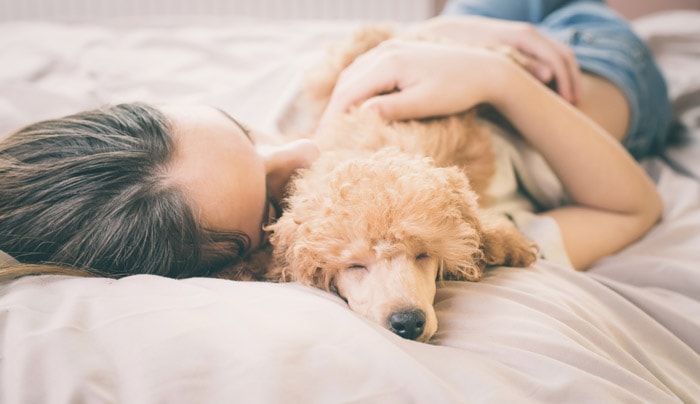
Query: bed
<point x="628" y="330"/>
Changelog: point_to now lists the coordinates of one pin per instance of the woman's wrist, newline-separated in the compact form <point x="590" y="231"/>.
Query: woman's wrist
<point x="504" y="80"/>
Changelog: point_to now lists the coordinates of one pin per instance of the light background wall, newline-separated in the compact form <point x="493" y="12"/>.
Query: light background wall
<point x="637" y="8"/>
<point x="400" y="10"/>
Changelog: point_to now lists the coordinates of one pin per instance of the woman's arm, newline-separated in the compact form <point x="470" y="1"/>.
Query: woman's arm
<point x="613" y="201"/>
<point x="545" y="58"/>
<point x="406" y="79"/>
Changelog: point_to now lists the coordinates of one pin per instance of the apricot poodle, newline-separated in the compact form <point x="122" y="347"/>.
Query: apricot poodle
<point x="391" y="208"/>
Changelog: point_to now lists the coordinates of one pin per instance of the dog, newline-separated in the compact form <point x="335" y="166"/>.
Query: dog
<point x="390" y="208"/>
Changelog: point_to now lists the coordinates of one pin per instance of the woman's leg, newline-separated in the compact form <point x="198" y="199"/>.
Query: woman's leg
<point x="624" y="90"/>
<point x="532" y="11"/>
<point x="606" y="104"/>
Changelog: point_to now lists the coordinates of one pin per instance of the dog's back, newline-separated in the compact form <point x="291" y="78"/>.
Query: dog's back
<point x="460" y="140"/>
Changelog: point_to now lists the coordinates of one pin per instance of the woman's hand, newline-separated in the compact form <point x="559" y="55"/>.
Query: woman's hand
<point x="613" y="202"/>
<point x="405" y="79"/>
<point x="543" y="57"/>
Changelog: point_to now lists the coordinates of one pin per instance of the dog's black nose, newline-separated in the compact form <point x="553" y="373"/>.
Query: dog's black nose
<point x="408" y="324"/>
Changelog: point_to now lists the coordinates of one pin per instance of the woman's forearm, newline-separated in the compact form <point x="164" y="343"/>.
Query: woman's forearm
<point x="614" y="202"/>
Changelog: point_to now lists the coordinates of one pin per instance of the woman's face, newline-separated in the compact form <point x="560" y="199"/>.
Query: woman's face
<point x="235" y="183"/>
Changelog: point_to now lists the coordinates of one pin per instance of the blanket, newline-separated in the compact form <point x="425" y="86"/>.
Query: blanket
<point x="628" y="330"/>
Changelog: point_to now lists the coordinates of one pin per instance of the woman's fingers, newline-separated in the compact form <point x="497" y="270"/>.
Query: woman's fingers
<point x="369" y="75"/>
<point x="546" y="59"/>
<point x="566" y="72"/>
<point x="540" y="70"/>
<point x="400" y="105"/>
<point x="417" y="79"/>
<point x="548" y="55"/>
<point x="573" y="72"/>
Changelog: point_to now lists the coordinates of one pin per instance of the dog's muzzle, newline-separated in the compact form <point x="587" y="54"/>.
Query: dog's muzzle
<point x="408" y="324"/>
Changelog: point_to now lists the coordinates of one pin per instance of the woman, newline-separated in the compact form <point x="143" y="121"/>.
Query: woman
<point x="185" y="191"/>
<point x="173" y="191"/>
<point x="559" y="39"/>
<point x="619" y="93"/>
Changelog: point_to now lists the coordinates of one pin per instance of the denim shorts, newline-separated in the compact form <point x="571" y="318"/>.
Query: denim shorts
<point x="604" y="44"/>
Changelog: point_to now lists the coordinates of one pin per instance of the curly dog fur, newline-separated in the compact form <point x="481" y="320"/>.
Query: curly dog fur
<point x="391" y="207"/>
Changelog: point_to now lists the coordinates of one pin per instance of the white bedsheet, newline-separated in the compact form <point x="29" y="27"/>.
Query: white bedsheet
<point x="626" y="331"/>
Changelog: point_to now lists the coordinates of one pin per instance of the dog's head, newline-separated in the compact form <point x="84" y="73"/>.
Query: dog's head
<point x="379" y="231"/>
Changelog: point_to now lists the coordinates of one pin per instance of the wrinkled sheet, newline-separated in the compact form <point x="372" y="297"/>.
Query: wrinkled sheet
<point x="626" y="331"/>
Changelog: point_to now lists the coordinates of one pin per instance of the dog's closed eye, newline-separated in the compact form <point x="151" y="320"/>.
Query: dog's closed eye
<point x="421" y="256"/>
<point x="356" y="267"/>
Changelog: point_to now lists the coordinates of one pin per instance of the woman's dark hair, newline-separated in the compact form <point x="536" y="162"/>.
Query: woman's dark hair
<point x="91" y="191"/>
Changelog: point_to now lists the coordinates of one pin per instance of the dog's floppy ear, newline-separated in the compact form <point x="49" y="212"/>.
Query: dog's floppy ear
<point x="292" y="259"/>
<point x="298" y="247"/>
<point x="466" y="264"/>
<point x="495" y="240"/>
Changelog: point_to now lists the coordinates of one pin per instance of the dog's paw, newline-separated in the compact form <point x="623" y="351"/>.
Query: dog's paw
<point x="519" y="252"/>
<point x="504" y="245"/>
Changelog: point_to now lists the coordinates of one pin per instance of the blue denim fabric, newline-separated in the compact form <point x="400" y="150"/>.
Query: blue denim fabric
<point x="605" y="45"/>
<point x="532" y="11"/>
